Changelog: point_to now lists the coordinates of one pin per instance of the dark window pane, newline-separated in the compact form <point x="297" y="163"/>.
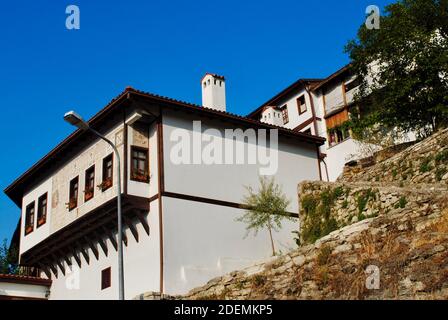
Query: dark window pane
<point x="105" y="278"/>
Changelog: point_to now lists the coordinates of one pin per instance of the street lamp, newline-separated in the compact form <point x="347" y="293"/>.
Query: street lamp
<point x="75" y="119"/>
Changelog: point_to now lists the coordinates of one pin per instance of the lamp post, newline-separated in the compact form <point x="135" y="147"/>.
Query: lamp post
<point x="74" y="119"/>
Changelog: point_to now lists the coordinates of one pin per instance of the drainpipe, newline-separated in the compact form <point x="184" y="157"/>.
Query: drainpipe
<point x="326" y="170"/>
<point x="313" y="112"/>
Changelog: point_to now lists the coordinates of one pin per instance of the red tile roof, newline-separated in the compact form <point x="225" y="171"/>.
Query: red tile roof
<point x="333" y="76"/>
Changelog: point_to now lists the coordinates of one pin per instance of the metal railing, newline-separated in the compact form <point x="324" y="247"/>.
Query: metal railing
<point x="27" y="271"/>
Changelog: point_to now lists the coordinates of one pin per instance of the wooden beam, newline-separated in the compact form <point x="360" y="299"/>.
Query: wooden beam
<point x="65" y="257"/>
<point x="93" y="248"/>
<point x="85" y="254"/>
<point x="77" y="259"/>
<point x="103" y="244"/>
<point x="60" y="265"/>
<point x="131" y="226"/>
<point x="86" y="225"/>
<point x="45" y="270"/>
<point x="124" y="238"/>
<point x="53" y="269"/>
<point x="143" y="221"/>
<point x="111" y="237"/>
<point x="123" y="235"/>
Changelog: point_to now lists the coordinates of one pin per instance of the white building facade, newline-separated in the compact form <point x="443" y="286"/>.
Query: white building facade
<point x="320" y="107"/>
<point x="180" y="218"/>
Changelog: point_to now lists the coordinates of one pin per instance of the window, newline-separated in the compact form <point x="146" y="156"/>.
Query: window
<point x="89" y="184"/>
<point x="105" y="278"/>
<point x="29" y="218"/>
<point x="352" y="85"/>
<point x="301" y="105"/>
<point x="42" y="210"/>
<point x="285" y="114"/>
<point x="139" y="164"/>
<point x="73" y="198"/>
<point x="338" y="135"/>
<point x="107" y="172"/>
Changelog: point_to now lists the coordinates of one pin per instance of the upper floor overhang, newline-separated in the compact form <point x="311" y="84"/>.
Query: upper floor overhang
<point x="128" y="100"/>
<point x="92" y="227"/>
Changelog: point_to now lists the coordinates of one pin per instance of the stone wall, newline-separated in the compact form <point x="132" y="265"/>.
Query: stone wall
<point x="424" y="162"/>
<point x="326" y="207"/>
<point x="408" y="248"/>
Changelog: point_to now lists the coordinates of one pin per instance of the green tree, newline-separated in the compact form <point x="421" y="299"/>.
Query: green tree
<point x="265" y="208"/>
<point x="403" y="69"/>
<point x="7" y="258"/>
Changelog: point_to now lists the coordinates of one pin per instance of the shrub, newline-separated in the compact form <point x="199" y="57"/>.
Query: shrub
<point x="394" y="173"/>
<point x="309" y="204"/>
<point x="324" y="255"/>
<point x="440" y="173"/>
<point x="364" y="198"/>
<point x="337" y="192"/>
<point x="402" y="203"/>
<point x="318" y="221"/>
<point x="442" y="156"/>
<point x="425" y="166"/>
<point x="258" y="280"/>
<point x="361" y="217"/>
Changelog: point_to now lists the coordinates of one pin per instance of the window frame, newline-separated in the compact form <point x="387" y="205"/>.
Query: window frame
<point x="42" y="218"/>
<point x="89" y="193"/>
<point x="133" y="173"/>
<point x="106" y="278"/>
<point x="285" y="115"/>
<point x="337" y="136"/>
<point x="349" y="86"/>
<point x="73" y="198"/>
<point x="107" y="182"/>
<point x="299" y="104"/>
<point x="29" y="207"/>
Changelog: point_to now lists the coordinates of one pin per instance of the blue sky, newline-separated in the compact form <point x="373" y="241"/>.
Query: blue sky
<point x="162" y="47"/>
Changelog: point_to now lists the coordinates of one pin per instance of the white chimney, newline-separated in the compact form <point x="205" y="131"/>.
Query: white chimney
<point x="214" y="92"/>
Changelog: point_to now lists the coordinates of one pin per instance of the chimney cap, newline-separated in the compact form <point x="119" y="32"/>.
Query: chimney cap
<point x="214" y="75"/>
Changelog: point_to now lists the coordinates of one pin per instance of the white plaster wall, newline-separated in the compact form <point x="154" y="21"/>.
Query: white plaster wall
<point x="297" y="161"/>
<point x="202" y="241"/>
<point x="43" y="231"/>
<point x="23" y="290"/>
<point x="272" y="116"/>
<point x="141" y="268"/>
<point x="334" y="97"/>
<point x="350" y="95"/>
<point x="339" y="155"/>
<point x="293" y="112"/>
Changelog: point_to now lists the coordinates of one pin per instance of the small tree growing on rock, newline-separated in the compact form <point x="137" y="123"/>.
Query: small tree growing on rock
<point x="265" y="208"/>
